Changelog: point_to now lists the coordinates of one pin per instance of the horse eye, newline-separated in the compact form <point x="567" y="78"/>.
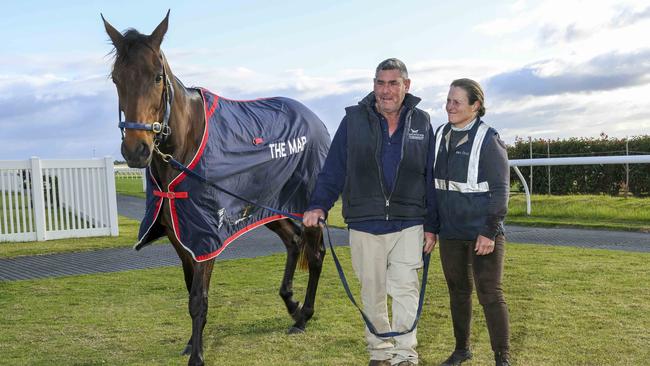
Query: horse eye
<point x="159" y="78"/>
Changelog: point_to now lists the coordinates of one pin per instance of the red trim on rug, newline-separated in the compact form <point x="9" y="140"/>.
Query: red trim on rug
<point x="204" y="142"/>
<point x="246" y="100"/>
<point x="171" y="195"/>
<point x="158" y="208"/>
<point x="176" y="181"/>
<point x="172" y="210"/>
<point x="241" y="232"/>
<point x="215" y="102"/>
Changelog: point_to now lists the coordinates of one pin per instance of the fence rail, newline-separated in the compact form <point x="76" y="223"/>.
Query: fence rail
<point x="584" y="160"/>
<point x="54" y="199"/>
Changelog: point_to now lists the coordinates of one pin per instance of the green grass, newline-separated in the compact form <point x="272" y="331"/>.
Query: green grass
<point x="129" y="186"/>
<point x="588" y="211"/>
<point x="585" y="211"/>
<point x="128" y="237"/>
<point x="568" y="306"/>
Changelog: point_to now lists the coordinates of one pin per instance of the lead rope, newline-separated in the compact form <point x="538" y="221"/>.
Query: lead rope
<point x="426" y="257"/>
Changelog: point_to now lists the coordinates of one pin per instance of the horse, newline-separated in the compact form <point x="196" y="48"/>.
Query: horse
<point x="148" y="92"/>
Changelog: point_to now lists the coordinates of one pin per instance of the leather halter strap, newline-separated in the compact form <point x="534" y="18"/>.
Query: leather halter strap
<point x="161" y="129"/>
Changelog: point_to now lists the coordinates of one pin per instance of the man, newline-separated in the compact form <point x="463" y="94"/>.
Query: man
<point x="380" y="161"/>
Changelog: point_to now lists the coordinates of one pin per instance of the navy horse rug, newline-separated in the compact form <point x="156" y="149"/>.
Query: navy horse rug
<point x="269" y="151"/>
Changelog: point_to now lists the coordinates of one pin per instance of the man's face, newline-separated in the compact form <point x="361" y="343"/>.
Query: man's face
<point x="390" y="90"/>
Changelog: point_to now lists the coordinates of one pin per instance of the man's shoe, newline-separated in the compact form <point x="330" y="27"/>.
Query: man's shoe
<point x="502" y="359"/>
<point x="379" y="363"/>
<point x="459" y="356"/>
<point x="406" y="363"/>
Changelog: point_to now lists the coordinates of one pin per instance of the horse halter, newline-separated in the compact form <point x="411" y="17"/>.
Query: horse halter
<point x="161" y="129"/>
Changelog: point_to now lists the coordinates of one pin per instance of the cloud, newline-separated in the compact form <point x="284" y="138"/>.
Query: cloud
<point x="573" y="25"/>
<point x="604" y="72"/>
<point x="615" y="17"/>
<point x="62" y="108"/>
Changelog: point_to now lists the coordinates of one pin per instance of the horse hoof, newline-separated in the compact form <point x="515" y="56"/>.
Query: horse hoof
<point x="187" y="351"/>
<point x="295" y="330"/>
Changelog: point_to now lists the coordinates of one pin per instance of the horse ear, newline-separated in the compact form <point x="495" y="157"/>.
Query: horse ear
<point x="116" y="37"/>
<point x="157" y="35"/>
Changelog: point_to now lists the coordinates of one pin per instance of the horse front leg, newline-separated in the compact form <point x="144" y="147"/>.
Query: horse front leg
<point x="289" y="232"/>
<point x="198" y="307"/>
<point x="314" y="251"/>
<point x="188" y="273"/>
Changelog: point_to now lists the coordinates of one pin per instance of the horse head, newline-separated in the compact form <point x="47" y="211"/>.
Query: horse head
<point x="142" y="79"/>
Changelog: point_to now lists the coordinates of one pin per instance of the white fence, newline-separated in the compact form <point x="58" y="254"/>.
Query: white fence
<point x="585" y="160"/>
<point x="135" y="173"/>
<point x="54" y="199"/>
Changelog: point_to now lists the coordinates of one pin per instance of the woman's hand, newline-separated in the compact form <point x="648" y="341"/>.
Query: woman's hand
<point x="430" y="240"/>
<point x="484" y="245"/>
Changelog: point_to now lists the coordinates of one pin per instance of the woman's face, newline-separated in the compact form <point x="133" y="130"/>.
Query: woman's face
<point x="459" y="111"/>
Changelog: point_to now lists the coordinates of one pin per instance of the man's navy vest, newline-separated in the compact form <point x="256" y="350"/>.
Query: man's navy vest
<point x="364" y="194"/>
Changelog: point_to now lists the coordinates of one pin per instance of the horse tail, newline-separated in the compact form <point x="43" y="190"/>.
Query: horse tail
<point x="311" y="241"/>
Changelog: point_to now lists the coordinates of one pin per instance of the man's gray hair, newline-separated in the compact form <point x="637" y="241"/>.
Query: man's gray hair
<point x="393" y="64"/>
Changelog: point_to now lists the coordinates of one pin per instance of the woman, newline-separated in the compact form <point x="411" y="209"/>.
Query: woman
<point x="471" y="187"/>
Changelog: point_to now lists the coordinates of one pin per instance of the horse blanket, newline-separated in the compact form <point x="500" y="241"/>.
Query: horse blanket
<point x="269" y="151"/>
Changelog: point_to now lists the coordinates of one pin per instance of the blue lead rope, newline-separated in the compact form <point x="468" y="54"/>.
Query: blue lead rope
<point x="371" y="327"/>
<point x="369" y="324"/>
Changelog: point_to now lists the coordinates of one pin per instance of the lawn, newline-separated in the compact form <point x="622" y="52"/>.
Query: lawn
<point x="568" y="306"/>
<point x="130" y="186"/>
<point x="587" y="211"/>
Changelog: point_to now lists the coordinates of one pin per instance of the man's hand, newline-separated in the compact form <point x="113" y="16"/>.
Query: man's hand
<point x="311" y="217"/>
<point x="430" y="240"/>
<point x="484" y="245"/>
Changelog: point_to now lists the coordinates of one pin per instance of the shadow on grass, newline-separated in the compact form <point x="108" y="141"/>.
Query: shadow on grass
<point x="264" y="326"/>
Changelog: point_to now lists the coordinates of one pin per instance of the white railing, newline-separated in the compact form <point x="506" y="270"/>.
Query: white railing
<point x="585" y="160"/>
<point x="135" y="173"/>
<point x="54" y="199"/>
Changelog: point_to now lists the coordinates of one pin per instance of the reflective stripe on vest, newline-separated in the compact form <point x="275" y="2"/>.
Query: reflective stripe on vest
<point x="472" y="185"/>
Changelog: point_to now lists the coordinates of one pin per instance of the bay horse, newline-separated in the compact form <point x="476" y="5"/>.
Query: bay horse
<point x="149" y="93"/>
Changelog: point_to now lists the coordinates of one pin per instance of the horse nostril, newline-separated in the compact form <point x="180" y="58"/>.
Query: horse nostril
<point x="144" y="150"/>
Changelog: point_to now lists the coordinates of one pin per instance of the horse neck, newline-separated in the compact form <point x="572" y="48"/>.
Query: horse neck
<point x="187" y="124"/>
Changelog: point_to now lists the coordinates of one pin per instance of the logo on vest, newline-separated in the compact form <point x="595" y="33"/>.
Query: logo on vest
<point x="415" y="135"/>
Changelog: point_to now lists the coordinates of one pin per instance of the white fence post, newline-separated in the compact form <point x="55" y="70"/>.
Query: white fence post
<point x="38" y="200"/>
<point x="111" y="195"/>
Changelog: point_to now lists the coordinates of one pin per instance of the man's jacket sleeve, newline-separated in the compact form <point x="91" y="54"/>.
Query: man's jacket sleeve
<point x="331" y="178"/>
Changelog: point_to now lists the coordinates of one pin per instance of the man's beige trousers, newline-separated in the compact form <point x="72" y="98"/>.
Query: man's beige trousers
<point x="387" y="265"/>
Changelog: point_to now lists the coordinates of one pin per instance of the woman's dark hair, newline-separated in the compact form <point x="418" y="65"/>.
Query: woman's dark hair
<point x="474" y="93"/>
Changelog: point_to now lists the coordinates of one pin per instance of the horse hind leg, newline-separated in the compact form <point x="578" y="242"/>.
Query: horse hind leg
<point x="313" y="251"/>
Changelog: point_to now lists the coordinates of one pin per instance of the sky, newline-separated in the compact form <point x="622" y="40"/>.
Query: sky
<point x="550" y="69"/>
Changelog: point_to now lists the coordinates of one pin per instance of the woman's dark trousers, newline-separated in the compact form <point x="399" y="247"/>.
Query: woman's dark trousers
<point x="460" y="265"/>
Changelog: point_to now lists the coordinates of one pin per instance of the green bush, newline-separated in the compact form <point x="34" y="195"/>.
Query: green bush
<point x="584" y="179"/>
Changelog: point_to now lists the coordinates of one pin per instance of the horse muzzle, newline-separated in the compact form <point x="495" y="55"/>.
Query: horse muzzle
<point x="137" y="156"/>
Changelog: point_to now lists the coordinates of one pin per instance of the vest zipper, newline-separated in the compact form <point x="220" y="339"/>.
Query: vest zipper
<point x="387" y="207"/>
<point x="407" y="126"/>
